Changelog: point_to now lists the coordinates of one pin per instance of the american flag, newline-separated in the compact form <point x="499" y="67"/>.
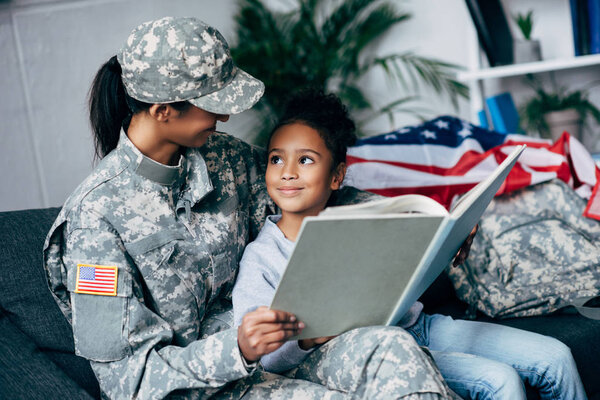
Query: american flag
<point x="96" y="279"/>
<point x="445" y="157"/>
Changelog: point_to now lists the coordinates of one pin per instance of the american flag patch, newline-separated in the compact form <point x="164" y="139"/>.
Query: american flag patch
<point x="96" y="279"/>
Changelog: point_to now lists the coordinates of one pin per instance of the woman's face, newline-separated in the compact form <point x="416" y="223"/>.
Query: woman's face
<point x="192" y="126"/>
<point x="299" y="173"/>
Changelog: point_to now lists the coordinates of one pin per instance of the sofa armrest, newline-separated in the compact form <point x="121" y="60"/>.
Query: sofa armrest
<point x="25" y="371"/>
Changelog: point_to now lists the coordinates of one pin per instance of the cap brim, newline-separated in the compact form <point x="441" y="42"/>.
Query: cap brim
<point x="239" y="95"/>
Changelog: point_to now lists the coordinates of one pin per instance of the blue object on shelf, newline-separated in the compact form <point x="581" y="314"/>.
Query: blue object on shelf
<point x="483" y="120"/>
<point x="594" y="25"/>
<point x="503" y="113"/>
<point x="579" y="22"/>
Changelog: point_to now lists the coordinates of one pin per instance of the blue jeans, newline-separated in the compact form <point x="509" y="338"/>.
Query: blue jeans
<point x="482" y="360"/>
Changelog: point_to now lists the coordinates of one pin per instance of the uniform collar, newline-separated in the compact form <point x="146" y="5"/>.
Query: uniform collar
<point x="147" y="167"/>
<point x="191" y="170"/>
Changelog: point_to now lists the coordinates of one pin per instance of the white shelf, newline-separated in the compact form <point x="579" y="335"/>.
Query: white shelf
<point x="528" y="68"/>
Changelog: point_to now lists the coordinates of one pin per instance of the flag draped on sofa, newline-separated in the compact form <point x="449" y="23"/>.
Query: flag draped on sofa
<point x="445" y="157"/>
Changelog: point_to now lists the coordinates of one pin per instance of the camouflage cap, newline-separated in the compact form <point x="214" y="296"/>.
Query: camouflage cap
<point x="184" y="59"/>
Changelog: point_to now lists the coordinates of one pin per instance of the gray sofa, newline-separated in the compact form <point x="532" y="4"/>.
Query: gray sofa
<point x="37" y="359"/>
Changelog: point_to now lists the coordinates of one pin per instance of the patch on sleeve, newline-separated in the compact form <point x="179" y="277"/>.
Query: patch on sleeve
<point x="96" y="279"/>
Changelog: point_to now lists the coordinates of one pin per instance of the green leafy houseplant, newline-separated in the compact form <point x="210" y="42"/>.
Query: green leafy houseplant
<point x="324" y="44"/>
<point x="525" y="23"/>
<point x="533" y="111"/>
<point x="526" y="49"/>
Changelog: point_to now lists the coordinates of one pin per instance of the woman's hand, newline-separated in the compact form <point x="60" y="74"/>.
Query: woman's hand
<point x="463" y="252"/>
<point x="306" y="344"/>
<point x="263" y="331"/>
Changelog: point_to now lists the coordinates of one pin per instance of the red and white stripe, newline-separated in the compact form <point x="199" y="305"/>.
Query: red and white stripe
<point x="105" y="281"/>
<point x="443" y="172"/>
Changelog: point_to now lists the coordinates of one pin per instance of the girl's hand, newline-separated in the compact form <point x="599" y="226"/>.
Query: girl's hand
<point x="263" y="331"/>
<point x="306" y="344"/>
<point x="463" y="252"/>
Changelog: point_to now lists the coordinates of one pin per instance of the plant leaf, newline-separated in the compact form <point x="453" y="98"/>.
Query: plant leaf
<point x="324" y="44"/>
<point x="437" y="74"/>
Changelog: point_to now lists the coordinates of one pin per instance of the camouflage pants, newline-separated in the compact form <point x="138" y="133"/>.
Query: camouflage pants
<point x="365" y="363"/>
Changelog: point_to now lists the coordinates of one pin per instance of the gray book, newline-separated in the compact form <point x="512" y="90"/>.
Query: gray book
<point x="366" y="264"/>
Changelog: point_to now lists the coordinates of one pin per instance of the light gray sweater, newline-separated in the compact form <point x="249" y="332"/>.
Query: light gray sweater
<point x="261" y="268"/>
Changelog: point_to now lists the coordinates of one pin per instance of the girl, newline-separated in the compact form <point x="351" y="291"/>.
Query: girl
<point x="143" y="255"/>
<point x="306" y="166"/>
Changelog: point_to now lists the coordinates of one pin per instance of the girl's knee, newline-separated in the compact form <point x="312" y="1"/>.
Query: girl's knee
<point x="561" y="352"/>
<point x="552" y="354"/>
<point x="510" y="384"/>
<point x="499" y="381"/>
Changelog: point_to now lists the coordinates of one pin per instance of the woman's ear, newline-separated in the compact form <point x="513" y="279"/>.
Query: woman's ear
<point x="338" y="176"/>
<point x="160" y="112"/>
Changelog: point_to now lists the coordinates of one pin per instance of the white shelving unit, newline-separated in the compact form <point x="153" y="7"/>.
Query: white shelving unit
<point x="475" y="77"/>
<point x="529" y="68"/>
<point x="548" y="15"/>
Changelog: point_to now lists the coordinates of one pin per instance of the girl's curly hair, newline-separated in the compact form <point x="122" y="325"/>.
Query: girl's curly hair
<point x="326" y="114"/>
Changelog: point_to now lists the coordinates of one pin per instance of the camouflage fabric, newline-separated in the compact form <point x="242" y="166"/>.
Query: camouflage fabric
<point x="364" y="363"/>
<point x="177" y="59"/>
<point x="534" y="253"/>
<point x="176" y="235"/>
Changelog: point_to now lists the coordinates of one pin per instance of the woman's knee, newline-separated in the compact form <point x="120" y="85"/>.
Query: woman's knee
<point x="386" y="342"/>
<point x="384" y="335"/>
<point x="395" y="365"/>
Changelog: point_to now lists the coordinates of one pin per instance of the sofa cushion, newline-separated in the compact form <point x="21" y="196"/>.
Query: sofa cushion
<point x="581" y="334"/>
<point x="26" y="372"/>
<point x="25" y="297"/>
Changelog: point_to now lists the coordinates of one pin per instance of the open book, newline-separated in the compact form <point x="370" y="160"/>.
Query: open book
<point x="366" y="264"/>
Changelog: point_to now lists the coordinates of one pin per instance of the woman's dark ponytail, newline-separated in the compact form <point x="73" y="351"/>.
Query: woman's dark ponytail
<point x="108" y="107"/>
<point x="111" y="108"/>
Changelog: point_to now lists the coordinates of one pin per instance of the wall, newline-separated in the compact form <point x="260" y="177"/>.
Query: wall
<point x="52" y="49"/>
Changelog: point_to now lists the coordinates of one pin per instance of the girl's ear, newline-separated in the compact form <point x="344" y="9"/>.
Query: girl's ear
<point x="160" y="112"/>
<point x="338" y="176"/>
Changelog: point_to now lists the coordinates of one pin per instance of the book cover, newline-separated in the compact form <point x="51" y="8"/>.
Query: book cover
<point x="366" y="264"/>
<point x="594" y="26"/>
<point x="583" y="27"/>
<point x="575" y="26"/>
<point x="483" y="120"/>
<point x="492" y="30"/>
<point x="503" y="113"/>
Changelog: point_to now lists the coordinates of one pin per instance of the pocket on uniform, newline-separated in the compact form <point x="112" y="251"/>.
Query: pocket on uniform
<point x="100" y="321"/>
<point x="228" y="205"/>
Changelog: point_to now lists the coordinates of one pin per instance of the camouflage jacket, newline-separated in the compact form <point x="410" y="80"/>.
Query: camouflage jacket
<point x="533" y="254"/>
<point x="175" y="235"/>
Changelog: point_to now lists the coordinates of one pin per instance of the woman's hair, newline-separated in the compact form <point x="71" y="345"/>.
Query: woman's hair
<point x="111" y="108"/>
<point x="326" y="114"/>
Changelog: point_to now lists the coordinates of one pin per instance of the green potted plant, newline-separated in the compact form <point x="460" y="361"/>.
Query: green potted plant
<point x="552" y="113"/>
<point x="526" y="49"/>
<point x="329" y="45"/>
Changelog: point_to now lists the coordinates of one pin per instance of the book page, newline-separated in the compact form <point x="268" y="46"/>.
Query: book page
<point x="363" y="268"/>
<point x="347" y="273"/>
<point x="453" y="233"/>
<point x="391" y="205"/>
<point x="485" y="187"/>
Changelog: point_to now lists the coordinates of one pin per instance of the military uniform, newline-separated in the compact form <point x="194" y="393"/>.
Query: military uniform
<point x="176" y="235"/>
<point x="142" y="257"/>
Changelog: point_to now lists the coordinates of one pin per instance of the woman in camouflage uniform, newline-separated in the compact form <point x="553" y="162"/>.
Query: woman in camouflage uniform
<point x="143" y="256"/>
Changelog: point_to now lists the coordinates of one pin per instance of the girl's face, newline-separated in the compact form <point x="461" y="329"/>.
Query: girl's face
<point x="300" y="177"/>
